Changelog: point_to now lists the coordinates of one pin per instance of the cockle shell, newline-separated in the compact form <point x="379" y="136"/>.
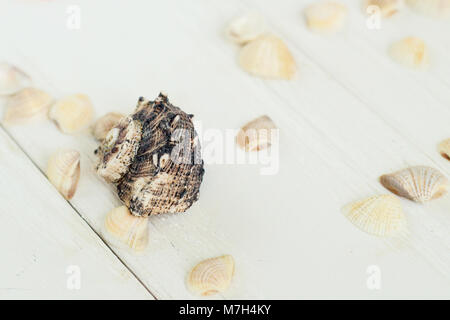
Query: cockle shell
<point x="326" y="16"/>
<point x="104" y="124"/>
<point x="411" y="52"/>
<point x="63" y="171"/>
<point x="267" y="57"/>
<point x="211" y="276"/>
<point x="153" y="157"/>
<point x="387" y="7"/>
<point x="378" y="215"/>
<point x="127" y="228"/>
<point x="12" y="79"/>
<point x="432" y="8"/>
<point x="444" y="149"/>
<point x="246" y="28"/>
<point x="25" y="105"/>
<point x="72" y="113"/>
<point x="256" y="135"/>
<point x="418" y="183"/>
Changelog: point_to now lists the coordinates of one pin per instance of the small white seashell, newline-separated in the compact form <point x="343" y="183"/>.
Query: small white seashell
<point x="432" y="8"/>
<point x="246" y="28"/>
<point x="411" y="52"/>
<point x="378" y="215"/>
<point x="418" y="183"/>
<point x="63" y="171"/>
<point x="211" y="276"/>
<point x="256" y="135"/>
<point x="387" y="7"/>
<point x="127" y="228"/>
<point x="104" y="124"/>
<point x="26" y="104"/>
<point x="326" y="17"/>
<point x="12" y="79"/>
<point x="267" y="57"/>
<point x="72" y="113"/>
<point x="444" y="149"/>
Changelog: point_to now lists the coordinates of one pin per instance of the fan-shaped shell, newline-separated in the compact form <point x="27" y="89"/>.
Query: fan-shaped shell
<point x="63" y="171"/>
<point x="326" y="16"/>
<point x="12" y="79"/>
<point x="72" y="113"/>
<point x="386" y="7"/>
<point x="433" y="8"/>
<point x="256" y="135"/>
<point x="378" y="215"/>
<point x="211" y="276"/>
<point x="444" y="149"/>
<point x="104" y="124"/>
<point x="418" y="183"/>
<point x="127" y="228"/>
<point x="411" y="52"/>
<point x="267" y="57"/>
<point x="246" y="28"/>
<point x="25" y="105"/>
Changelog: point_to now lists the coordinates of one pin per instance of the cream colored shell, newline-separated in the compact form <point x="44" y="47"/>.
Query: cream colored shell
<point x="378" y="215"/>
<point x="444" y="149"/>
<point x="128" y="229"/>
<point x="12" y="79"/>
<point x="72" y="113"/>
<point x="420" y="183"/>
<point x="432" y="8"/>
<point x="27" y="104"/>
<point x="246" y="28"/>
<point x="387" y="7"/>
<point x="257" y="134"/>
<point x="104" y="124"/>
<point x="211" y="276"/>
<point x="63" y="171"/>
<point x="267" y="57"/>
<point x="326" y="17"/>
<point x="411" y="52"/>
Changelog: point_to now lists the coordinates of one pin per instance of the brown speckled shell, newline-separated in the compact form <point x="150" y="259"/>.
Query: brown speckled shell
<point x="155" y="159"/>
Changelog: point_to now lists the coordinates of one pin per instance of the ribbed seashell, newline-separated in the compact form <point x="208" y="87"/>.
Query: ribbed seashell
<point x="211" y="276"/>
<point x="127" y="228"/>
<point x="25" y="105"/>
<point x="246" y="28"/>
<point x="411" y="52"/>
<point x="326" y="16"/>
<point x="420" y="183"/>
<point x="378" y="215"/>
<point x="12" y="79"/>
<point x="432" y="8"/>
<point x="63" y="171"/>
<point x="256" y="135"/>
<point x="387" y="7"/>
<point x="104" y="124"/>
<point x="267" y="57"/>
<point x="72" y="113"/>
<point x="444" y="149"/>
<point x="153" y="158"/>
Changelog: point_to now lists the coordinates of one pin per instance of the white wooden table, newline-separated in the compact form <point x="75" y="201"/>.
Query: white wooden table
<point x="350" y="115"/>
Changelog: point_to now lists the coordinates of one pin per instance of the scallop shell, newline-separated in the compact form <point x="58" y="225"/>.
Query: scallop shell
<point x="153" y="158"/>
<point x="127" y="228"/>
<point x="432" y="8"/>
<point x="387" y="7"/>
<point x="72" y="113"/>
<point x="326" y="17"/>
<point x="246" y="28"/>
<point x="63" y="171"/>
<point x="256" y="135"/>
<point x="12" y="79"/>
<point x="444" y="149"/>
<point x="378" y="215"/>
<point x="420" y="184"/>
<point x="104" y="124"/>
<point x="411" y="52"/>
<point x="211" y="276"/>
<point x="25" y="105"/>
<point x="267" y="57"/>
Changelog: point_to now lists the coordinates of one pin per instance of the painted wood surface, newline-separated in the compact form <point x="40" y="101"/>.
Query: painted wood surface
<point x="350" y="115"/>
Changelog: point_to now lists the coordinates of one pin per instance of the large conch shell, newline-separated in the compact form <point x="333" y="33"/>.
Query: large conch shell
<point x="153" y="157"/>
<point x="420" y="183"/>
<point x="432" y="8"/>
<point x="25" y="105"/>
<point x="211" y="276"/>
<point x="63" y="171"/>
<point x="378" y="215"/>
<point x="12" y="79"/>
